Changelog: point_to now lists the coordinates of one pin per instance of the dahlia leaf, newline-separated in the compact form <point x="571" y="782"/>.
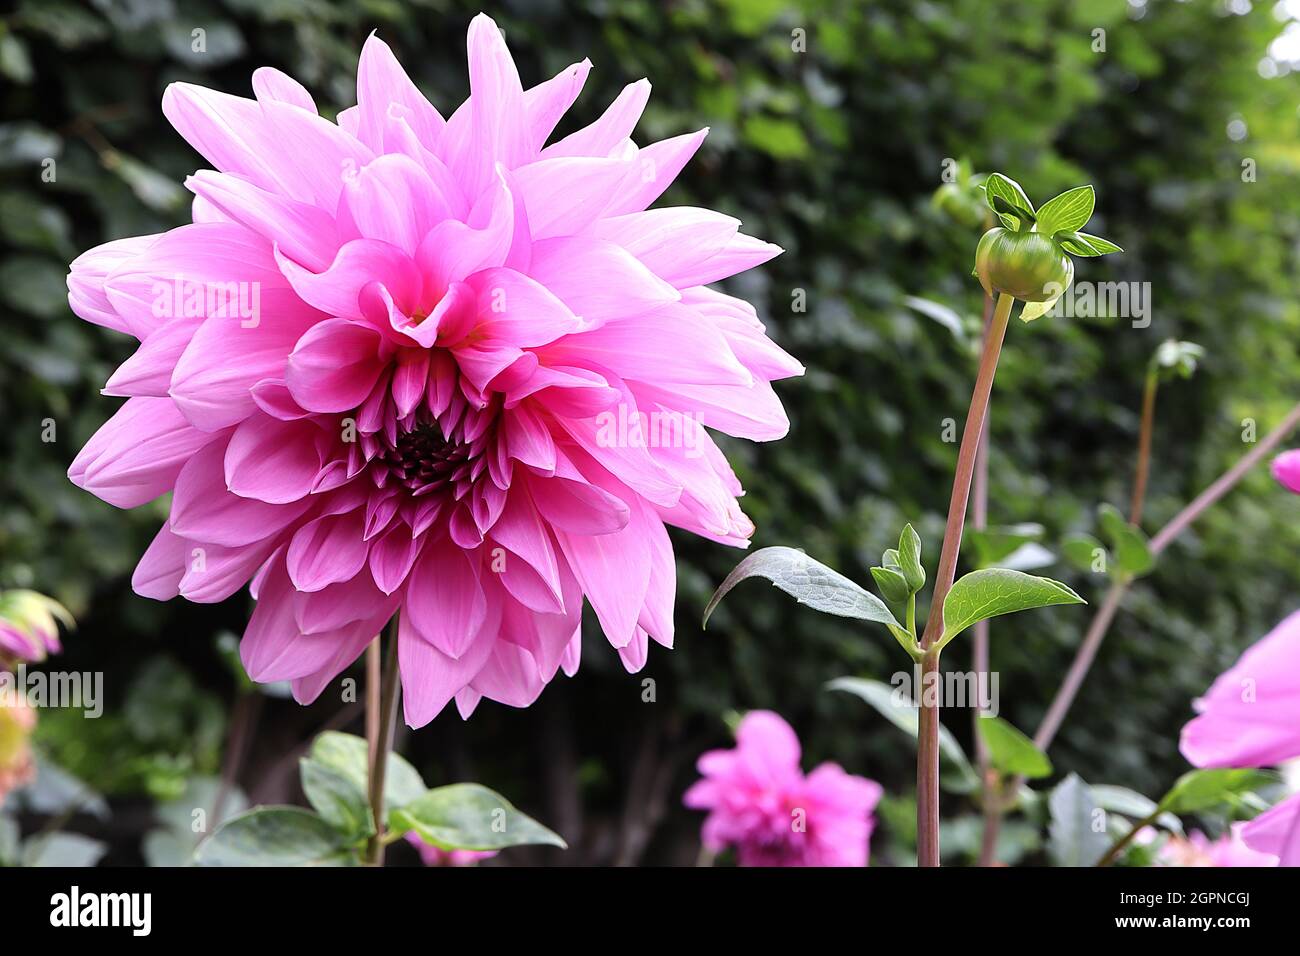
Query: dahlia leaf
<point x="900" y="710"/>
<point x="468" y="816"/>
<point x="909" y="558"/>
<point x="807" y="581"/>
<point x="992" y="546"/>
<point x="337" y="797"/>
<point x="275" y="836"/>
<point x="1011" y="751"/>
<point x="1072" y="841"/>
<point x="996" y="187"/>
<point x="1067" y="212"/>
<point x="1086" y="553"/>
<point x="1199" y="790"/>
<point x="1133" y="556"/>
<point x="1131" y="804"/>
<point x="981" y="595"/>
<point x="349" y="755"/>
<point x="891" y="584"/>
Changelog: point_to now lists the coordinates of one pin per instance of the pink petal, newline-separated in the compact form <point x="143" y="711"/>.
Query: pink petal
<point x="272" y="461"/>
<point x="137" y="454"/>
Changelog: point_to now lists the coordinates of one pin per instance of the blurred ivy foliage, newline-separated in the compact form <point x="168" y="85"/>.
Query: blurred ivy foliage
<point x="830" y="126"/>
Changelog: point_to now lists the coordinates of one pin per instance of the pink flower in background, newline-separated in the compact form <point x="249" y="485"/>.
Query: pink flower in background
<point x="29" y="626"/>
<point x="436" y="856"/>
<point x="429" y="365"/>
<point x="1250" y="717"/>
<point x="761" y="803"/>
<point x="1286" y="469"/>
<point x="1229" y="850"/>
<point x="17" y="768"/>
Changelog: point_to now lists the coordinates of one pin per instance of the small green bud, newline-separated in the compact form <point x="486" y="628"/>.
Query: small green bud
<point x="1026" y="265"/>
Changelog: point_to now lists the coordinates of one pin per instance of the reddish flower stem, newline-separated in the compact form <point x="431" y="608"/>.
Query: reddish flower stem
<point x="1106" y="612"/>
<point x="927" y="753"/>
<point x="1144" y="447"/>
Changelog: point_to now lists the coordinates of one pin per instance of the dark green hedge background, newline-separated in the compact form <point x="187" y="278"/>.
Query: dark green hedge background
<point x="834" y="153"/>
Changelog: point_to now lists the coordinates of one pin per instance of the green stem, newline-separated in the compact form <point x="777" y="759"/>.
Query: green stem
<point x="927" y="754"/>
<point x="1113" y="853"/>
<point x="391" y="693"/>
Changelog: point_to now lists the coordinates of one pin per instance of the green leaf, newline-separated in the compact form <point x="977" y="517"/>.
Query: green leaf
<point x="63" y="850"/>
<point x="1074" y="835"/>
<point x="891" y="584"/>
<point x="350" y="756"/>
<point x="940" y="313"/>
<point x="337" y="797"/>
<point x="996" y="187"/>
<point x="890" y="559"/>
<point x="1131" y="804"/>
<point x="275" y="836"/>
<point x="1200" y="790"/>
<point x="901" y="711"/>
<point x="1067" y="212"/>
<point x="909" y="558"/>
<point x="1082" y="244"/>
<point x="1011" y="751"/>
<point x="467" y="816"/>
<point x="1086" y="553"/>
<point x="1132" y="553"/>
<point x="808" y="582"/>
<point x="991" y="592"/>
<point x="990" y="547"/>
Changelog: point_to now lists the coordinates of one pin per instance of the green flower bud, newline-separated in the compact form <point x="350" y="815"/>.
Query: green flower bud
<point x="1026" y="265"/>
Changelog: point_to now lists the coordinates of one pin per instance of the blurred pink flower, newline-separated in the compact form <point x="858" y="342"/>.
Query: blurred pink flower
<point x="29" y="626"/>
<point x="436" y="856"/>
<point x="1250" y="716"/>
<point x="1286" y="469"/>
<point x="1276" y="831"/>
<point x="17" y="768"/>
<point x="760" y="802"/>
<point x="429" y="365"/>
<point x="1229" y="850"/>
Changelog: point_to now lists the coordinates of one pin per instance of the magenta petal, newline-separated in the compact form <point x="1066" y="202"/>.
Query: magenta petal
<point x="327" y="550"/>
<point x="334" y="366"/>
<point x="137" y="454"/>
<point x="1286" y="469"/>
<point x="445" y="602"/>
<point x="272" y="461"/>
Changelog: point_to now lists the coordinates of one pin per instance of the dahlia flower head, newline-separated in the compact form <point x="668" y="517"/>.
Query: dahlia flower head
<point x="1250" y="717"/>
<point x="29" y="626"/>
<point x="761" y="803"/>
<point x="429" y="365"/>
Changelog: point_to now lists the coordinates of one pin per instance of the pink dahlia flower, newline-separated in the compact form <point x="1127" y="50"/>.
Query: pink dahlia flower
<point x="432" y="855"/>
<point x="1250" y="716"/>
<point x="761" y="803"/>
<point x="429" y="366"/>
<point x="1229" y="850"/>
<point x="1286" y="469"/>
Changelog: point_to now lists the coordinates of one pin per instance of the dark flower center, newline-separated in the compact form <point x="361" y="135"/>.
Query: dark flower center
<point x="424" y="460"/>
